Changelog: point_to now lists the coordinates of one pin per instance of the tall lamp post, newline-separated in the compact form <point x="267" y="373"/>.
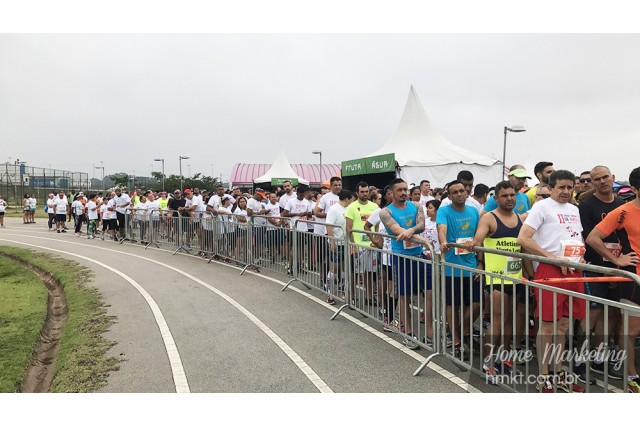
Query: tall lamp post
<point x="504" y="147"/>
<point x="101" y="167"/>
<point x="161" y="160"/>
<point x="320" y="174"/>
<point x="181" y="158"/>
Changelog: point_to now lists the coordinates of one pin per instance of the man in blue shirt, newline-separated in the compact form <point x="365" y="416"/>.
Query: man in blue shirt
<point x="518" y="177"/>
<point x="457" y="223"/>
<point x="405" y="220"/>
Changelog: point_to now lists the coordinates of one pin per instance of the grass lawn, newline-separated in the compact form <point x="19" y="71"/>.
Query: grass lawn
<point x="23" y="308"/>
<point x="82" y="364"/>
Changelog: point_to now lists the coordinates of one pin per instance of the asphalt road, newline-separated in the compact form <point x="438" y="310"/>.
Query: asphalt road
<point x="185" y="325"/>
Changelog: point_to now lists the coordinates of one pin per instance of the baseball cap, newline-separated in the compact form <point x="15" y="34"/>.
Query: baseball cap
<point x="187" y="191"/>
<point x="520" y="173"/>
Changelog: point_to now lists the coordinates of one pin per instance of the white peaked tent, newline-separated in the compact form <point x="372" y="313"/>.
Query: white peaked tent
<point x="280" y="169"/>
<point x="422" y="152"/>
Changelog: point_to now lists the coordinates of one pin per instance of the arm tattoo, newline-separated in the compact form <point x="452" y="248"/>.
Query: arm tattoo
<point x="387" y="220"/>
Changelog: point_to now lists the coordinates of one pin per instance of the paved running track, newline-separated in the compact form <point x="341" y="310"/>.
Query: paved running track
<point x="187" y="326"/>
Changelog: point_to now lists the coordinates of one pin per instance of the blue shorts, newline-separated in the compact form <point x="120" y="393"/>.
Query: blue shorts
<point x="409" y="274"/>
<point x="463" y="289"/>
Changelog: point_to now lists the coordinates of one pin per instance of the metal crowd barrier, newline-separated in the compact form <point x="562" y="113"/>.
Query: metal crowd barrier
<point x="517" y="357"/>
<point x="366" y="279"/>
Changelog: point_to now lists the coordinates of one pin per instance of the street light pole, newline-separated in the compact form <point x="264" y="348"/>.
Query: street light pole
<point x="181" y="158"/>
<point x="504" y="146"/>
<point x="101" y="167"/>
<point x="320" y="172"/>
<point x="161" y="160"/>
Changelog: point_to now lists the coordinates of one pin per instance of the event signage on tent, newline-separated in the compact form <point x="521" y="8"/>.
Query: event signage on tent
<point x="280" y="181"/>
<point x="375" y="164"/>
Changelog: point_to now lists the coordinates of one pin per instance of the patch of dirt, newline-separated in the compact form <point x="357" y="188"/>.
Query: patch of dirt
<point x="41" y="369"/>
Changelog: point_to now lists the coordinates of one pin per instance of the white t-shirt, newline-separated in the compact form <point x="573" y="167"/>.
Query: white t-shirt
<point x="61" y="206"/>
<point x="33" y="203"/>
<point x="256" y="207"/>
<point x="469" y="202"/>
<point x="431" y="234"/>
<point x="112" y="205"/>
<point x="335" y="216"/>
<point x="298" y="206"/>
<point x="51" y="206"/>
<point x="557" y="226"/>
<point x="285" y="198"/>
<point x="3" y="205"/>
<point x="92" y="210"/>
<point x="154" y="208"/>
<point x="324" y="204"/>
<point x="141" y="210"/>
<point x="214" y="201"/>
<point x="123" y="199"/>
<point x="77" y="207"/>
<point x="272" y="210"/>
<point x="424" y="199"/>
<point x="374" y="219"/>
<point x="106" y="215"/>
<point x="240" y="213"/>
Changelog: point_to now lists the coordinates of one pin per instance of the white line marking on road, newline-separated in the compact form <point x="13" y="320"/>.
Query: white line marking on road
<point x="179" y="377"/>
<point x="295" y="358"/>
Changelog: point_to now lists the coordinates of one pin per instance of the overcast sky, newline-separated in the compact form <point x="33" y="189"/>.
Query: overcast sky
<point x="73" y="100"/>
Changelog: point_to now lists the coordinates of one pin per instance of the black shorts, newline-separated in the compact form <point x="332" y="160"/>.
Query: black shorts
<point x="113" y="224"/>
<point x="461" y="290"/>
<point x="120" y="218"/>
<point x="1" y="213"/>
<point x="606" y="290"/>
<point x="61" y="217"/>
<point x="274" y="237"/>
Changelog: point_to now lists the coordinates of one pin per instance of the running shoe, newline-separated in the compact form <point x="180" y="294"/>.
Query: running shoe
<point x="460" y="353"/>
<point x="491" y="374"/>
<point x="545" y="386"/>
<point x="331" y="301"/>
<point x="410" y="343"/>
<point x="386" y="327"/>
<point x="612" y="372"/>
<point x="567" y="382"/>
<point x="634" y="385"/>
<point x="581" y="372"/>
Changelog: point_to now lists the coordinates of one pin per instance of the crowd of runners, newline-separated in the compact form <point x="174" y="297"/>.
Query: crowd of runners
<point x="589" y="218"/>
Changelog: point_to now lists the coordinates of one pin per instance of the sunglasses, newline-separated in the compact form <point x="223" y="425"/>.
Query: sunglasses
<point x="583" y="180"/>
<point x="544" y="196"/>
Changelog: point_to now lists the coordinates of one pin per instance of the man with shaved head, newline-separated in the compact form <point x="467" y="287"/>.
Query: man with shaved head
<point x="594" y="209"/>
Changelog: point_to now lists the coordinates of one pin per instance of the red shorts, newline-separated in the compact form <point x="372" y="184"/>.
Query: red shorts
<point x="547" y="302"/>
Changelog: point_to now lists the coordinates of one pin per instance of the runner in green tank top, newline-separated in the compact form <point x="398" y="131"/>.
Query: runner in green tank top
<point x="499" y="230"/>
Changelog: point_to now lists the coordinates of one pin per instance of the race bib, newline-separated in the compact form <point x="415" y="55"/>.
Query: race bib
<point x="572" y="250"/>
<point x="513" y="266"/>
<point x="460" y="251"/>
<point x="408" y="244"/>
<point x="614" y="248"/>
